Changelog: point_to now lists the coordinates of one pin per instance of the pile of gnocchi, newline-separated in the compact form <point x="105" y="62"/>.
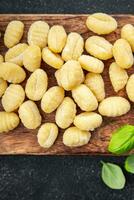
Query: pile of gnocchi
<point x="74" y="71"/>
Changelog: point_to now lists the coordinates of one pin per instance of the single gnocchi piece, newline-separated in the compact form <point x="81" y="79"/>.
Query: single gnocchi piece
<point x="127" y="33"/>
<point x="70" y="75"/>
<point x="99" y="47"/>
<point x="36" y="85"/>
<point x="12" y="73"/>
<point x="13" y="33"/>
<point x="3" y="86"/>
<point x="13" y="97"/>
<point x="101" y="23"/>
<point x="95" y="83"/>
<point x="65" y="113"/>
<point x="57" y="38"/>
<point x="52" y="59"/>
<point x="52" y="99"/>
<point x="8" y="121"/>
<point x="32" y="58"/>
<point x="130" y="88"/>
<point x="29" y="115"/>
<point x="74" y="47"/>
<point x="118" y="77"/>
<point x="123" y="54"/>
<point x="91" y="64"/>
<point x="74" y="137"/>
<point x="1" y="59"/>
<point x="15" y="54"/>
<point x="38" y="34"/>
<point x="88" y="121"/>
<point x="84" y="98"/>
<point x="114" y="106"/>
<point x="47" y="135"/>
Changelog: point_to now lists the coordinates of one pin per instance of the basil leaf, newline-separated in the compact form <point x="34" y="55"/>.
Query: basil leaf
<point x="122" y="140"/>
<point x="129" y="164"/>
<point x="113" y="176"/>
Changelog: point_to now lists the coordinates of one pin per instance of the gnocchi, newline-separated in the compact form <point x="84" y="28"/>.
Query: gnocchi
<point x="1" y="59"/>
<point x="3" y="86"/>
<point x="127" y="33"/>
<point x="130" y="88"/>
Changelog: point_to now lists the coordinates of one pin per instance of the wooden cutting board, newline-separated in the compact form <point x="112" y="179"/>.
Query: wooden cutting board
<point x="24" y="141"/>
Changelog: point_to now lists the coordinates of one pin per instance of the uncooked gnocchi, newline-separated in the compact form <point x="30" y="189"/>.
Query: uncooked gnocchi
<point x="99" y="47"/>
<point x="127" y="33"/>
<point x="74" y="47"/>
<point x="84" y="98"/>
<point x="1" y="59"/>
<point x="29" y="115"/>
<point x="57" y="38"/>
<point x="74" y="137"/>
<point x="130" y="88"/>
<point x="65" y="113"/>
<point x="114" y="106"/>
<point x="47" y="135"/>
<point x="36" y="85"/>
<point x="13" y="33"/>
<point x="52" y="99"/>
<point x="3" y="86"/>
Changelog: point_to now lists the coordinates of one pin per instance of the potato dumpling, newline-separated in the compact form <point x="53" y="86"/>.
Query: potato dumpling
<point x="52" y="59"/>
<point x="114" y="106"/>
<point x="130" y="88"/>
<point x="12" y="73"/>
<point x="96" y="85"/>
<point x="65" y="113"/>
<point x="29" y="115"/>
<point x="38" y="34"/>
<point x="87" y="121"/>
<point x="91" y="64"/>
<point x="74" y="47"/>
<point x="84" y="98"/>
<point x="47" y="135"/>
<point x="127" y="33"/>
<point x="101" y="23"/>
<point x="52" y="99"/>
<point x="8" y="121"/>
<point x="123" y="54"/>
<point x="99" y="47"/>
<point x="13" y="97"/>
<point x="32" y="58"/>
<point x="1" y="59"/>
<point x="36" y="85"/>
<point x="3" y="86"/>
<point x="15" y="54"/>
<point x="57" y="38"/>
<point x="13" y="33"/>
<point x="74" y="137"/>
<point x="70" y="75"/>
<point x="118" y="77"/>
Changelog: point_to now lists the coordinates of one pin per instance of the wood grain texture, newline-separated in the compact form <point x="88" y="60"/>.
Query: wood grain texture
<point x="24" y="141"/>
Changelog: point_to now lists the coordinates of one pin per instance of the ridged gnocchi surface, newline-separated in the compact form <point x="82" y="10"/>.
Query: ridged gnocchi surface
<point x="52" y="59"/>
<point x="130" y="88"/>
<point x="74" y="137"/>
<point x="101" y="23"/>
<point x="118" y="77"/>
<point x="1" y="59"/>
<point x="13" y="33"/>
<point x="52" y="99"/>
<point x="114" y="106"/>
<point x="122" y="53"/>
<point x="99" y="47"/>
<point x="8" y="121"/>
<point x="47" y="135"/>
<point x="29" y="115"/>
<point x="32" y="58"/>
<point x="65" y="113"/>
<point x="84" y="98"/>
<point x="57" y="38"/>
<point x="3" y="86"/>
<point x="38" y="34"/>
<point x="36" y="85"/>
<point x="74" y="47"/>
<point x="13" y="97"/>
<point x="95" y="83"/>
<point x="15" y="54"/>
<point x="127" y="33"/>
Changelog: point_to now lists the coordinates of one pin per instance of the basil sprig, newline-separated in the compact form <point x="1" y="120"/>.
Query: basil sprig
<point x="129" y="164"/>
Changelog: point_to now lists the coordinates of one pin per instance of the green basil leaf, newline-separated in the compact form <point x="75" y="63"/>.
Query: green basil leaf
<point x="129" y="164"/>
<point x="113" y="176"/>
<point x="122" y="140"/>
